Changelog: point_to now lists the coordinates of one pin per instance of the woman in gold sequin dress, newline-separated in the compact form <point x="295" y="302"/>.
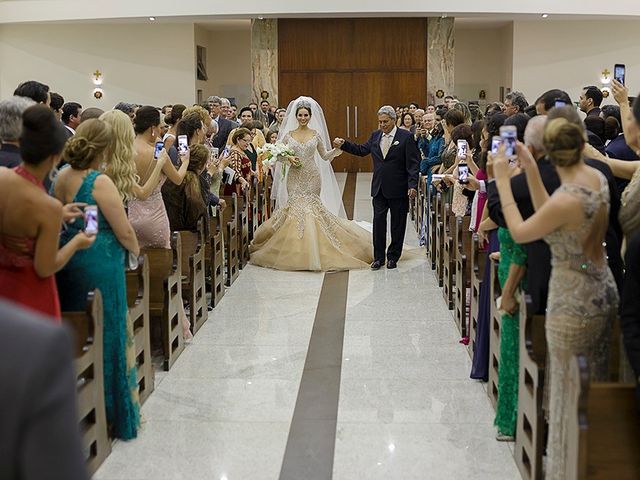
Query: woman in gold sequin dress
<point x="308" y="230"/>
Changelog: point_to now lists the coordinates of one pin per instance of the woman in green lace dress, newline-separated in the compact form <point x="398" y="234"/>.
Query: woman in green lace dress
<point x="102" y="267"/>
<point x="511" y="270"/>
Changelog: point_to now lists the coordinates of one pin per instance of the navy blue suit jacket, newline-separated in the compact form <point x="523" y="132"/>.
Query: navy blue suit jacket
<point x="395" y="175"/>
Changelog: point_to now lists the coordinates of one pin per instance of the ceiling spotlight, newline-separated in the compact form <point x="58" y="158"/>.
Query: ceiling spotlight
<point x="153" y="19"/>
<point x="260" y="18"/>
<point x="444" y="15"/>
<point x="545" y="15"/>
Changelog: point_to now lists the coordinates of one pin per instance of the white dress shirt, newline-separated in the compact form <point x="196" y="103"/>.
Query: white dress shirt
<point x="390" y="137"/>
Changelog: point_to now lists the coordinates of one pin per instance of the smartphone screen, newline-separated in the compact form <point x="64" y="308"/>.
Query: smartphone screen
<point x="462" y="148"/>
<point x="183" y="144"/>
<point x="560" y="103"/>
<point x="158" y="149"/>
<point x="495" y="144"/>
<point x="215" y="152"/>
<point x="619" y="72"/>
<point x="509" y="135"/>
<point x="463" y="172"/>
<point x="91" y="220"/>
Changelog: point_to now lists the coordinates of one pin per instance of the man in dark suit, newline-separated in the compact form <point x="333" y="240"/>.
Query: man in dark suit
<point x="71" y="112"/>
<point x="539" y="255"/>
<point x="395" y="179"/>
<point x="39" y="434"/>
<point x="590" y="100"/>
<point x="224" y="125"/>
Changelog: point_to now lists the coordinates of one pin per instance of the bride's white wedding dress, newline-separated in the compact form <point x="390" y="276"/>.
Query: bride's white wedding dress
<point x="303" y="234"/>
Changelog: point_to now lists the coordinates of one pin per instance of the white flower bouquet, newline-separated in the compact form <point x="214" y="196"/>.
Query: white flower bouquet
<point x="274" y="153"/>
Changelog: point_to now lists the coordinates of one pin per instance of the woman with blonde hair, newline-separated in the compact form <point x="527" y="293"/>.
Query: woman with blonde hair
<point x="101" y="266"/>
<point x="583" y="297"/>
<point x="121" y="167"/>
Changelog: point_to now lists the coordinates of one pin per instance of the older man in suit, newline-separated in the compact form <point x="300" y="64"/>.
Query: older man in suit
<point x="39" y="435"/>
<point x="396" y="163"/>
<point x="217" y="106"/>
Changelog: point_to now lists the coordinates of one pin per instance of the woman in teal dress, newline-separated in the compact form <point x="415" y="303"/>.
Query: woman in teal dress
<point x="511" y="270"/>
<point x="102" y="266"/>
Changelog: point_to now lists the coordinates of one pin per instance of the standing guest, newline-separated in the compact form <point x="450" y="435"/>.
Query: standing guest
<point x="234" y="112"/>
<point x="224" y="126"/>
<point x="11" y="111"/>
<point x="590" y="100"/>
<point x="246" y="116"/>
<point x="549" y="99"/>
<point x="239" y="162"/>
<point x="493" y="108"/>
<point x="279" y="117"/>
<point x="172" y="120"/>
<point x="514" y="103"/>
<point x="89" y="113"/>
<point x="128" y="108"/>
<point x="29" y="254"/>
<point x="166" y="110"/>
<point x="449" y="101"/>
<point x="417" y="115"/>
<point x="254" y="108"/>
<point x="431" y="108"/>
<point x="583" y="297"/>
<point x="226" y="110"/>
<point x="40" y="437"/>
<point x="57" y="101"/>
<point x="264" y="114"/>
<point x="617" y="147"/>
<point x="272" y="136"/>
<point x="149" y="216"/>
<point x="71" y="112"/>
<point x="407" y="121"/>
<point x="101" y="266"/>
<point x="36" y="91"/>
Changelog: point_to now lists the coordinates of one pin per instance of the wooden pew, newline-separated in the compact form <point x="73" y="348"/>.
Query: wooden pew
<point x="267" y="200"/>
<point x="449" y="260"/>
<point x="441" y="232"/>
<point x="193" y="279"/>
<point x="604" y="434"/>
<point x="494" y="337"/>
<point x="242" y="219"/>
<point x="214" y="260"/>
<point x="478" y="260"/>
<point x="531" y="424"/>
<point x="165" y="297"/>
<point x="432" y="244"/>
<point x="462" y="246"/>
<point x="254" y="202"/>
<point x="88" y="327"/>
<point x="230" y="237"/>
<point x="138" y="302"/>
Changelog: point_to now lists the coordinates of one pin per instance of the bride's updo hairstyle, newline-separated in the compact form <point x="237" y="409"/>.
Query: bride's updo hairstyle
<point x="88" y="144"/>
<point x="239" y="133"/>
<point x="563" y="142"/>
<point x="303" y="106"/>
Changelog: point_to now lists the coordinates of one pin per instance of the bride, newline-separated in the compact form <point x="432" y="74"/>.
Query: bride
<point x="309" y="229"/>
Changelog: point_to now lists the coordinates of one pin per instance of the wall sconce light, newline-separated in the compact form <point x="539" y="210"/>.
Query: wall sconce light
<point x="97" y="93"/>
<point x="97" y="81"/>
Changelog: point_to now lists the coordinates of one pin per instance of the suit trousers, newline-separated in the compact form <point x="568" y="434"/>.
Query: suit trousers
<point x="399" y="208"/>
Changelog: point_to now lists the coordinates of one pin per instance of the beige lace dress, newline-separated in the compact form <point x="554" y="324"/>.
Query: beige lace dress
<point x="582" y="302"/>
<point x="304" y="235"/>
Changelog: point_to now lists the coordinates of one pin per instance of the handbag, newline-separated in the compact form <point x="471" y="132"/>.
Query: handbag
<point x="629" y="215"/>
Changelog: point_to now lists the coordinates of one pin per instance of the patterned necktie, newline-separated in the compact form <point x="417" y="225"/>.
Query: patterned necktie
<point x="386" y="140"/>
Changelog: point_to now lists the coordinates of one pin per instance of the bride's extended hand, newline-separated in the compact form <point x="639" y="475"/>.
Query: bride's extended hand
<point x="295" y="161"/>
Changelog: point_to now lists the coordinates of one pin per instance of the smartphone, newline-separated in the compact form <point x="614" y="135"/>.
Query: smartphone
<point x="495" y="144"/>
<point x="463" y="173"/>
<point x="91" y="220"/>
<point x="560" y="103"/>
<point x="158" y="150"/>
<point x="619" y="71"/>
<point x="462" y="148"/>
<point x="183" y="145"/>
<point x="215" y="151"/>
<point x="509" y="135"/>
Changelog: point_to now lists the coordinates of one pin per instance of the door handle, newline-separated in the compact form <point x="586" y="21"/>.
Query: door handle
<point x="348" y="123"/>
<point x="356" y="120"/>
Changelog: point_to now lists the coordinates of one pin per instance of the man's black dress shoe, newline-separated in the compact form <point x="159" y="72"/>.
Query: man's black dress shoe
<point x="392" y="264"/>
<point x="376" y="265"/>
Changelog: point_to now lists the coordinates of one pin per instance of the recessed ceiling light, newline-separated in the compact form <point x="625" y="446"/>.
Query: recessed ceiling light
<point x="153" y="19"/>
<point x="260" y="18"/>
<point x="545" y="15"/>
<point x="444" y="15"/>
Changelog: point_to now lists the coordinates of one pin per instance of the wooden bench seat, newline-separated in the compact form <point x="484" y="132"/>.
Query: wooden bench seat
<point x="214" y="260"/>
<point x="242" y="220"/>
<point x="230" y="238"/>
<point x="193" y="278"/>
<point x="462" y="246"/>
<point x="432" y="241"/>
<point x="449" y="260"/>
<point x="478" y="260"/>
<point x="165" y="297"/>
<point x="88" y="326"/>
<point x="441" y="232"/>
<point x="138" y="302"/>
<point x="494" y="336"/>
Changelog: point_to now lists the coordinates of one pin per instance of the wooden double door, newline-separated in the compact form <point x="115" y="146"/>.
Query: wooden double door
<point x="352" y="67"/>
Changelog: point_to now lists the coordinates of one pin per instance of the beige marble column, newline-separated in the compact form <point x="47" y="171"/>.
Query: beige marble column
<point x="264" y="58"/>
<point x="440" y="57"/>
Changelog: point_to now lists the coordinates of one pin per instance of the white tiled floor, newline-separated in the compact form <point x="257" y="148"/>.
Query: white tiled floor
<point x="408" y="409"/>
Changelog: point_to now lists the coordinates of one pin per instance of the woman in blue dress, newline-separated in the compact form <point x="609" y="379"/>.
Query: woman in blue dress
<point x="102" y="266"/>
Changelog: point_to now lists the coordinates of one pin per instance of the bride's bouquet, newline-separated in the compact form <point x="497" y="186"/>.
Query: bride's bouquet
<point x="274" y="153"/>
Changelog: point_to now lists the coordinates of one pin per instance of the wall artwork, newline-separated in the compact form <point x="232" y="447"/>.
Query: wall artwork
<point x="201" y="64"/>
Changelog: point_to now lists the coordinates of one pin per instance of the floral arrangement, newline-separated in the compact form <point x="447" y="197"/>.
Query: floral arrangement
<point x="274" y="153"/>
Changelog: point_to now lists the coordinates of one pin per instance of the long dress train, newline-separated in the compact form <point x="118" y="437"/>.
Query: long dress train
<point x="304" y="235"/>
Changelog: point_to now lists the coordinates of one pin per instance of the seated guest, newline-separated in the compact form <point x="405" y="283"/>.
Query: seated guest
<point x="89" y="113"/>
<point x="186" y="203"/>
<point x="40" y="437"/>
<point x="583" y="297"/>
<point x="71" y="112"/>
<point x="57" y="101"/>
<point x="11" y="111"/>
<point x="102" y="266"/>
<point x="29" y="254"/>
<point x="36" y="91"/>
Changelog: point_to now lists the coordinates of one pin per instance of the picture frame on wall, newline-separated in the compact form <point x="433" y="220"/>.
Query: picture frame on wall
<point x="201" y="63"/>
